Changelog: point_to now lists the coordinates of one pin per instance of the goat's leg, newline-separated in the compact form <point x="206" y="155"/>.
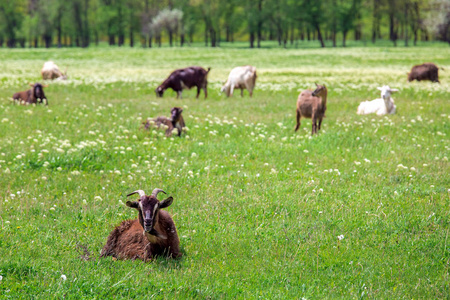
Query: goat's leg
<point x="320" y="122"/>
<point x="242" y="92"/>
<point x="205" y="90"/>
<point x="298" y="120"/>
<point x="231" y="90"/>
<point x="179" y="96"/>
<point x="314" y="125"/>
<point x="198" y="92"/>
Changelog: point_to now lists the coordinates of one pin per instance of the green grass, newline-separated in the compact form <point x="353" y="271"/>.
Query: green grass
<point x="258" y="208"/>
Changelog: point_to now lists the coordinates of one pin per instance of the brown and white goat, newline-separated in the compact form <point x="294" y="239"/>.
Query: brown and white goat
<point x="32" y="96"/>
<point x="175" y="121"/>
<point x="152" y="234"/>
<point x="312" y="104"/>
<point x="51" y="71"/>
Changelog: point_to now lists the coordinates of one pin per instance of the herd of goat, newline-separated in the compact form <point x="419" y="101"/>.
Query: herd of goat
<point x="153" y="233"/>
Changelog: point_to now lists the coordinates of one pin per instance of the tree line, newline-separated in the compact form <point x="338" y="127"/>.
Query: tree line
<point x="81" y="23"/>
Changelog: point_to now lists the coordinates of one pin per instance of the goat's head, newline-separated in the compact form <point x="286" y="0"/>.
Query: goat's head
<point x="159" y="91"/>
<point x="386" y="92"/>
<point x="148" y="208"/>
<point x="319" y="91"/>
<point x="175" y="113"/>
<point x="38" y="90"/>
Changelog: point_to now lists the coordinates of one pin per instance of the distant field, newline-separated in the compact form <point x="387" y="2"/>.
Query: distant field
<point x="258" y="208"/>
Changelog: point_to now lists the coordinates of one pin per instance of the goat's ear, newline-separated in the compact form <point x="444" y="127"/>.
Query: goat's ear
<point x="393" y="90"/>
<point x="133" y="204"/>
<point x="166" y="202"/>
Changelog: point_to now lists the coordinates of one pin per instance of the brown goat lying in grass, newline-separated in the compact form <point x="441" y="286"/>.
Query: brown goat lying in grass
<point x="32" y="95"/>
<point x="152" y="234"/>
<point x="312" y="104"/>
<point x="175" y="121"/>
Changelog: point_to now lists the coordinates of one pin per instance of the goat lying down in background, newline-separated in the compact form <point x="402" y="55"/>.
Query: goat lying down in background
<point x="381" y="106"/>
<point x="152" y="234"/>
<point x="175" y="122"/>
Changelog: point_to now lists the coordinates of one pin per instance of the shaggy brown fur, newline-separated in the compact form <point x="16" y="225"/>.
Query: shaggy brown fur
<point x="32" y="95"/>
<point x="146" y="237"/>
<point x="426" y="71"/>
<point x="175" y="121"/>
<point x="312" y="104"/>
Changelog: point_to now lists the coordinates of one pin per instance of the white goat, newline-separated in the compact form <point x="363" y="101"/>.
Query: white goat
<point x="51" y="71"/>
<point x="240" y="78"/>
<point x="381" y="106"/>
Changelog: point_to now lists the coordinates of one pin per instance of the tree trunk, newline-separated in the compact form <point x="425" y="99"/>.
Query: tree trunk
<point x="212" y="34"/>
<point x="406" y="23"/>
<point x="131" y="37"/>
<point x="170" y="38"/>
<point x="344" y="36"/>
<point x="112" y="40"/>
<point x="259" y="24"/>
<point x="181" y="40"/>
<point x="47" y="40"/>
<point x="319" y="36"/>
<point x="36" y="42"/>
<point x="252" y="39"/>
<point x="149" y="41"/>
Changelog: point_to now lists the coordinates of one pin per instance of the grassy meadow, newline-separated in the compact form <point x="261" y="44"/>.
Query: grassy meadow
<point x="359" y="211"/>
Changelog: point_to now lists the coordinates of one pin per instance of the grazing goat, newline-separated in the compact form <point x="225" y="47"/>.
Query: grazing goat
<point x="312" y="104"/>
<point x="175" y="121"/>
<point x="426" y="71"/>
<point x="152" y="234"/>
<point x="185" y="78"/>
<point x="51" y="71"/>
<point x="32" y="95"/>
<point x="240" y="78"/>
<point x="381" y="106"/>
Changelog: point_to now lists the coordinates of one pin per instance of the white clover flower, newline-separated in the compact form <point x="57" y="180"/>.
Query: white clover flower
<point x="52" y="208"/>
<point x="366" y="160"/>
<point x="395" y="193"/>
<point x="273" y="171"/>
<point x="306" y="151"/>
<point x="1" y="277"/>
<point x="227" y="135"/>
<point x="44" y="178"/>
<point x="98" y="198"/>
<point x="193" y="154"/>
<point x="46" y="164"/>
<point x="357" y="163"/>
<point x="59" y="168"/>
<point x="200" y="144"/>
<point x="19" y="156"/>
<point x="84" y="201"/>
<point x="340" y="237"/>
<point x="59" y="150"/>
<point x="117" y="172"/>
<point x="75" y="173"/>
<point x="64" y="277"/>
<point x="172" y="161"/>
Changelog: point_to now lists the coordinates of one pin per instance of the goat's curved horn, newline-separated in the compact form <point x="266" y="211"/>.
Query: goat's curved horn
<point x="140" y="192"/>
<point x="156" y="191"/>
